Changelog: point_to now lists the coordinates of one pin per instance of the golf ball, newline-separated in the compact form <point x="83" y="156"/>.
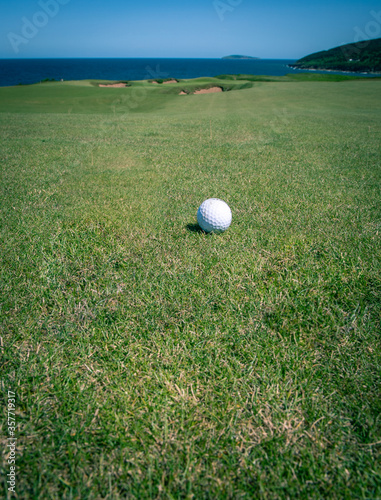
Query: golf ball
<point x="214" y="215"/>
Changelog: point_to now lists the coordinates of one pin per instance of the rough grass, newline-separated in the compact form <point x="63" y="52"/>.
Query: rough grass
<point x="151" y="360"/>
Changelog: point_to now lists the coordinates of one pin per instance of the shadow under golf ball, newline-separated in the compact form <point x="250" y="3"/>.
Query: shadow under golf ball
<point x="195" y="228"/>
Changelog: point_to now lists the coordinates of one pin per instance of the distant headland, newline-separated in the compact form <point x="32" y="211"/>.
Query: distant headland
<point x="360" y="57"/>
<point x="240" y="57"/>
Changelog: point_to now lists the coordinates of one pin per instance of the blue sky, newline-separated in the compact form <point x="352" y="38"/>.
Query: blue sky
<point x="174" y="28"/>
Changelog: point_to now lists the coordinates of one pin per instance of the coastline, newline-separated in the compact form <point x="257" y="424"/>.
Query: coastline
<point x="336" y="71"/>
<point x="29" y="71"/>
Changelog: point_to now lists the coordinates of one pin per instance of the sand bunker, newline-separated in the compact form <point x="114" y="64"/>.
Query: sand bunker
<point x="114" y="85"/>
<point x="212" y="90"/>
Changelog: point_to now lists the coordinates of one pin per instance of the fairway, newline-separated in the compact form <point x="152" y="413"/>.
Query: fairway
<point x="151" y="360"/>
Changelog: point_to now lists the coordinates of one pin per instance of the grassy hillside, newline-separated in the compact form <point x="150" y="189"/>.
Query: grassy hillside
<point x="151" y="360"/>
<point x="364" y="56"/>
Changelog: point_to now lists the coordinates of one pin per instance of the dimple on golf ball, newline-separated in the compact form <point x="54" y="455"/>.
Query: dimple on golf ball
<point x="214" y="215"/>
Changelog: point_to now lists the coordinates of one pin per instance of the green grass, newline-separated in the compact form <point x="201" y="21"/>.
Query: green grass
<point x="151" y="360"/>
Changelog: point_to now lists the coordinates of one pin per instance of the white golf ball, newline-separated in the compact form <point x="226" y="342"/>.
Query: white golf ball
<point x="214" y="215"/>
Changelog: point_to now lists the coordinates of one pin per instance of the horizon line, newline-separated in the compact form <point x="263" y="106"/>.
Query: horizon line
<point x="147" y="57"/>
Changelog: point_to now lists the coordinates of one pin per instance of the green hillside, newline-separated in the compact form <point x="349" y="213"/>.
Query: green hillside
<point x="363" y="56"/>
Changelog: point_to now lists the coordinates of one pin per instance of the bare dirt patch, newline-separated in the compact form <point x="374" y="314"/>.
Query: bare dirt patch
<point x="114" y="85"/>
<point x="171" y="81"/>
<point x="183" y="93"/>
<point x="212" y="90"/>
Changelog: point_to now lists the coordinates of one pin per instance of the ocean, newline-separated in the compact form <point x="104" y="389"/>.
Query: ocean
<point x="26" y="71"/>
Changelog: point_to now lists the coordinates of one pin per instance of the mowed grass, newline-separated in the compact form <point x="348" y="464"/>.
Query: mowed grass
<point x="151" y="360"/>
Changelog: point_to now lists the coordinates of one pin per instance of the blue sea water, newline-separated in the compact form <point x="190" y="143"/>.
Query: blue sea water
<point x="26" y="71"/>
